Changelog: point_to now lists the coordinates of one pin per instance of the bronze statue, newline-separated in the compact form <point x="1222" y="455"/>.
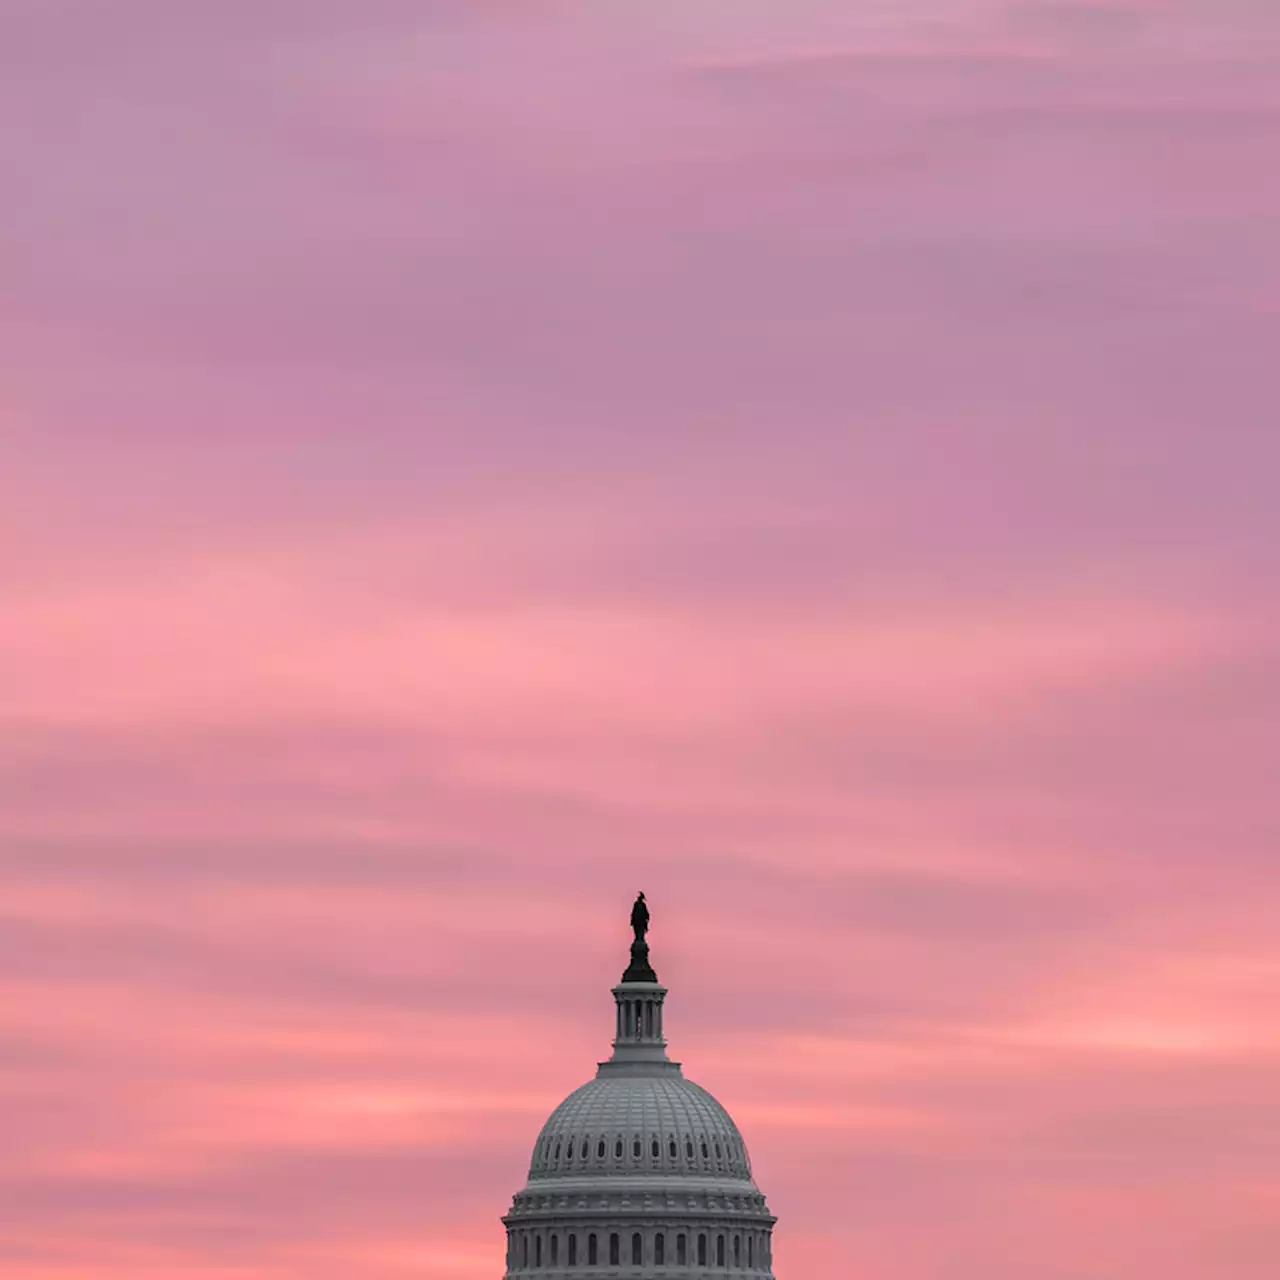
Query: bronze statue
<point x="640" y="918"/>
<point x="639" y="970"/>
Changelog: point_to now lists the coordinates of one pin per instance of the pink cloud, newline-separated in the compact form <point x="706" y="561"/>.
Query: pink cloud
<point x="462" y="466"/>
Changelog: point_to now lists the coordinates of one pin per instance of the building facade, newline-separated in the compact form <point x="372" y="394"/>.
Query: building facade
<point x="639" y="1173"/>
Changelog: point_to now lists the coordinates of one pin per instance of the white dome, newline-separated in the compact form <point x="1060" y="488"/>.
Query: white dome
<point x="639" y="1173"/>
<point x="639" y="1124"/>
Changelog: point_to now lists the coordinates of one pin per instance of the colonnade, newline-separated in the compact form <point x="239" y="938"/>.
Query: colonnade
<point x="533" y="1249"/>
<point x="639" y="1019"/>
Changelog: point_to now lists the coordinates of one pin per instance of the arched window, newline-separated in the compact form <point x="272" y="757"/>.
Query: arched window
<point x="660" y="1250"/>
<point x="537" y="1251"/>
<point x="524" y="1250"/>
<point x="637" y="1249"/>
<point x="704" y="1151"/>
<point x="737" y="1251"/>
<point x="573" y="1249"/>
<point x="702" y="1251"/>
<point x="751" y="1252"/>
<point x="593" y="1250"/>
<point x="555" y="1250"/>
<point x="682" y="1251"/>
<point x="617" y="1150"/>
<point x="557" y="1151"/>
<point x="688" y="1148"/>
<point x="635" y="1148"/>
<point x="600" y="1150"/>
<point x="719" y="1251"/>
<point x="656" y="1149"/>
<point x="615" y="1249"/>
<point x="718" y="1155"/>
<point x="671" y="1149"/>
<point x="584" y="1148"/>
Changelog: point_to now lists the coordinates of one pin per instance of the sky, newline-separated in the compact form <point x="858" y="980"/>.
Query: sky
<point x="463" y="463"/>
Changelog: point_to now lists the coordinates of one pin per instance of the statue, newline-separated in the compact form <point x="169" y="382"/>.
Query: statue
<point x="640" y="918"/>
<point x="640" y="970"/>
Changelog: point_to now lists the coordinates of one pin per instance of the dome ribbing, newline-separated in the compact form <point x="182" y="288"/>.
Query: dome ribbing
<point x="640" y="1124"/>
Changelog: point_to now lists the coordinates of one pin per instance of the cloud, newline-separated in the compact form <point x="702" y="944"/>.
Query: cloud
<point x="464" y="465"/>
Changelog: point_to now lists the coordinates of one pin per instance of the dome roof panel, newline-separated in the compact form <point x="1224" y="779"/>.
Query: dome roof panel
<point x="643" y="1123"/>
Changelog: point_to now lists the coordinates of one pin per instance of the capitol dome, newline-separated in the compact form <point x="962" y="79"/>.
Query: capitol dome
<point x="639" y="1173"/>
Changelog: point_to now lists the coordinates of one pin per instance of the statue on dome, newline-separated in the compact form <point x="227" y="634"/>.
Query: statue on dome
<point x="640" y="917"/>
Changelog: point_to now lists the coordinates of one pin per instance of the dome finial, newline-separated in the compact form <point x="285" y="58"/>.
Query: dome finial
<point x="640" y="970"/>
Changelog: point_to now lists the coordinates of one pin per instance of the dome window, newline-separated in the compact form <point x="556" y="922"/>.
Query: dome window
<point x="751" y="1253"/>
<point x="615" y="1249"/>
<point x="656" y="1149"/>
<point x="617" y="1150"/>
<point x="671" y="1149"/>
<point x="584" y="1148"/>
<point x="557" y="1151"/>
<point x="637" y="1249"/>
<point x="660" y="1250"/>
<point x="682" y="1250"/>
<point x="719" y="1251"/>
<point x="555" y="1250"/>
<point x="702" y="1251"/>
<point x="573" y="1249"/>
<point x="718" y="1155"/>
<point x="593" y="1250"/>
<point x="635" y="1148"/>
<point x="537" y="1251"/>
<point x="600" y="1150"/>
<point x="737" y="1251"/>
<point x="705" y="1154"/>
<point x="688" y="1148"/>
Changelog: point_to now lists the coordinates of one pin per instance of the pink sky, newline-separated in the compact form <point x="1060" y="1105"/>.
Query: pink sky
<point x="815" y="462"/>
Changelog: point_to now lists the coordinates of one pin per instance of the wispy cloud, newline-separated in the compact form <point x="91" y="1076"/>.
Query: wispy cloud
<point x="463" y="466"/>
